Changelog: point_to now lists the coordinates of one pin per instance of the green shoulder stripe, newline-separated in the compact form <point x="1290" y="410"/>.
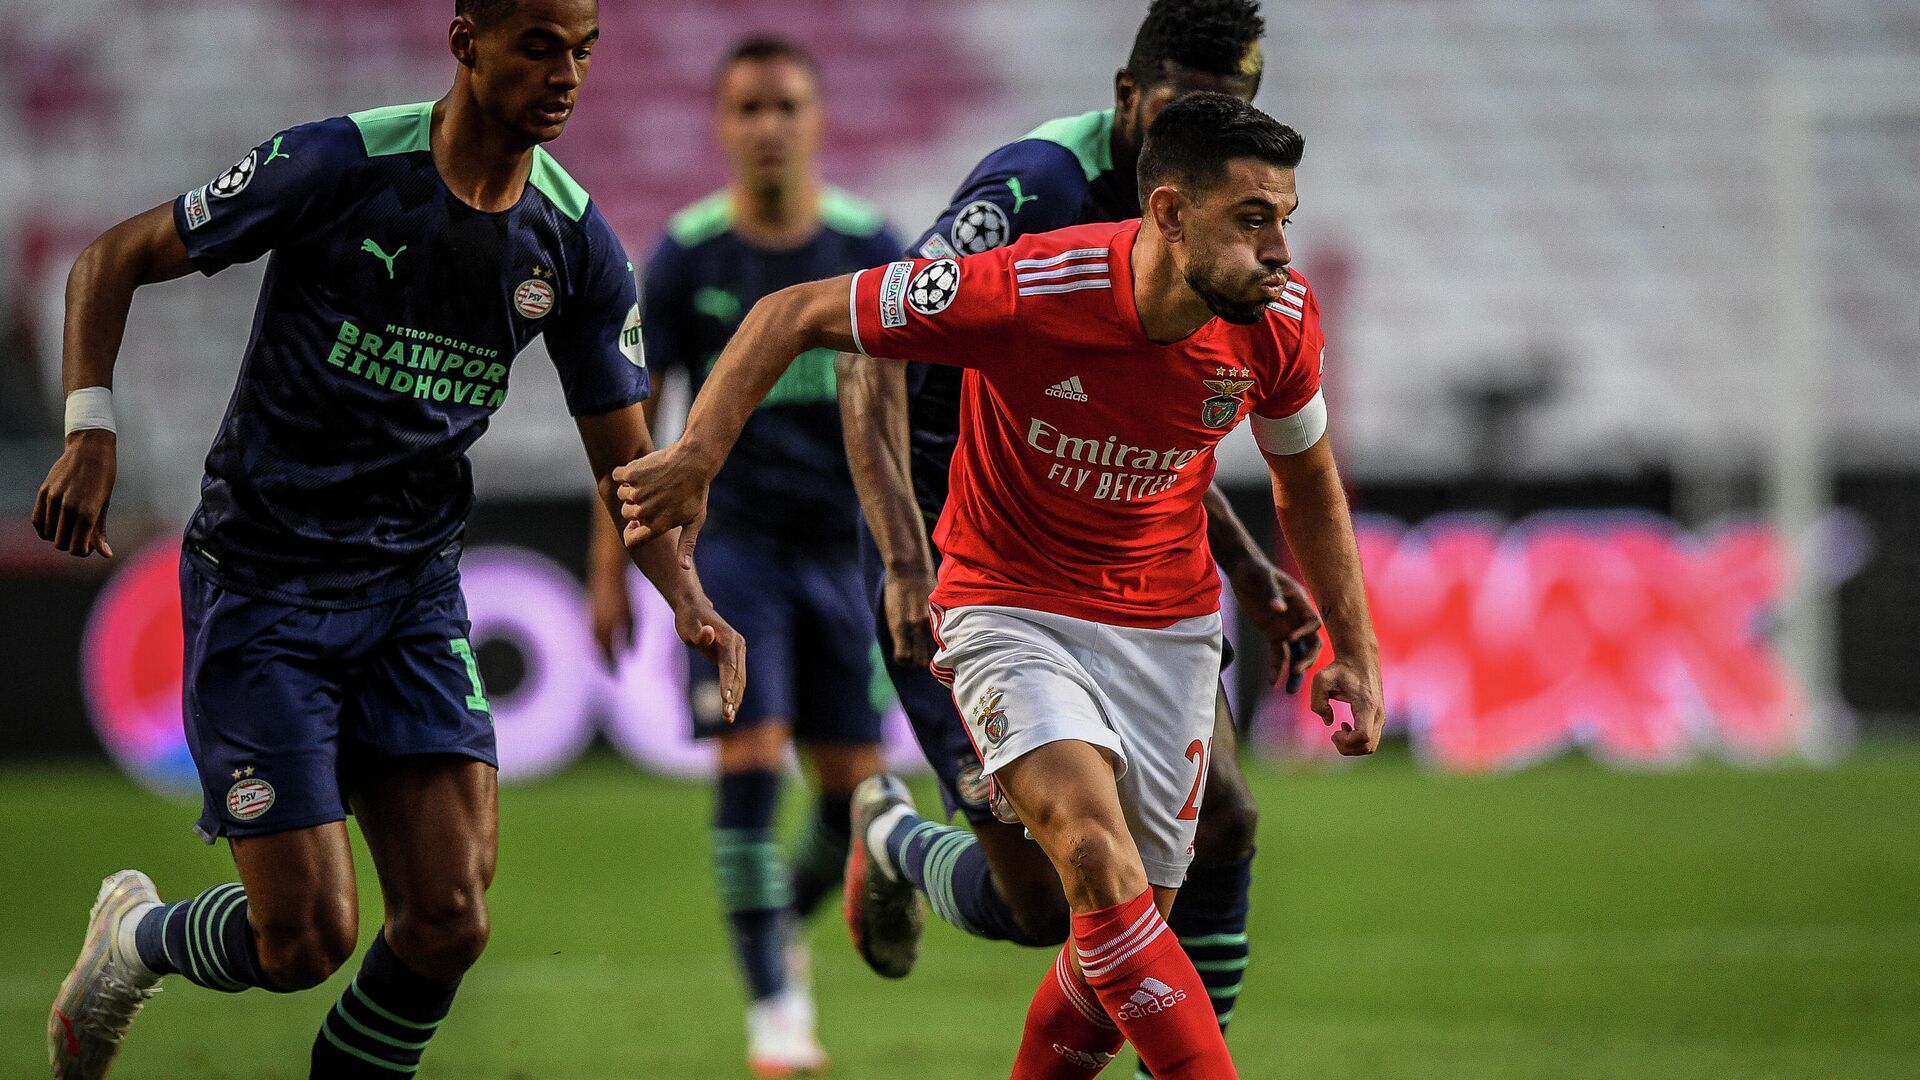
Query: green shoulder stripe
<point x="702" y="221"/>
<point x="395" y="129"/>
<point x="843" y="213"/>
<point x="560" y="189"/>
<point x="1089" y="136"/>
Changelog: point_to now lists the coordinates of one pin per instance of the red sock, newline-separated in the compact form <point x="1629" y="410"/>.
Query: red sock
<point x="1068" y="1035"/>
<point x="1149" y="987"/>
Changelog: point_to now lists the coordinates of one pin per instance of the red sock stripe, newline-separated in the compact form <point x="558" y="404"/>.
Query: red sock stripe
<point x="1079" y="994"/>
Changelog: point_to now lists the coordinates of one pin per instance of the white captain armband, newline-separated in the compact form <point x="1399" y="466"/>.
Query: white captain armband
<point x="90" y="408"/>
<point x="1292" y="434"/>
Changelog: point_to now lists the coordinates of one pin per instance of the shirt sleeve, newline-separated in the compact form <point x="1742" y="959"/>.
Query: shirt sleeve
<point x="666" y="306"/>
<point x="957" y="312"/>
<point x="1290" y="415"/>
<point x="596" y="342"/>
<point x="1030" y="186"/>
<point x="266" y="199"/>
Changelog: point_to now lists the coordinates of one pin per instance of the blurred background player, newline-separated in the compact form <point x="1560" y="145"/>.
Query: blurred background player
<point x="993" y="882"/>
<point x="1077" y="612"/>
<point x="416" y="250"/>
<point x="781" y="554"/>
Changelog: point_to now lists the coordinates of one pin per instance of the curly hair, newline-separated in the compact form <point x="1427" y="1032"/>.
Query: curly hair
<point x="1218" y="37"/>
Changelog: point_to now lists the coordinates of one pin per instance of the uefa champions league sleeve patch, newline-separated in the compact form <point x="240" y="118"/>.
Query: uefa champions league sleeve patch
<point x="980" y="226"/>
<point x="234" y="180"/>
<point x="934" y="287"/>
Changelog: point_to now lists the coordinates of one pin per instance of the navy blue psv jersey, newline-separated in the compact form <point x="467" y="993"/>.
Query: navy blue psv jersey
<point x="389" y="317"/>
<point x="1059" y="174"/>
<point x="787" y="477"/>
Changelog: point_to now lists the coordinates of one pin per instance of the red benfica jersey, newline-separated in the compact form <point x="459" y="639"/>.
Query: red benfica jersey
<point x="1085" y="449"/>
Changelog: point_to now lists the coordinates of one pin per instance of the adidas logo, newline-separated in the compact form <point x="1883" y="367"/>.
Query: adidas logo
<point x="1153" y="997"/>
<point x="1071" y="390"/>
<point x="1083" y="1058"/>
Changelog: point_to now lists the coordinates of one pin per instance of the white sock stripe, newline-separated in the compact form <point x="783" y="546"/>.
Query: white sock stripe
<point x="1094" y="971"/>
<point x="1118" y="939"/>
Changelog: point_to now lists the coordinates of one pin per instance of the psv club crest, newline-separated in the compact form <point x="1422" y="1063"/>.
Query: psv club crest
<point x="1223" y="408"/>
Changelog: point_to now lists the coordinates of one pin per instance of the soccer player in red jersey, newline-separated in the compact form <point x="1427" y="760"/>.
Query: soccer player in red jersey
<point x="1077" y="610"/>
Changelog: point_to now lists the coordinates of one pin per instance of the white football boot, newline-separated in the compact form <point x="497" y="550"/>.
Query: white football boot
<point x="780" y="1036"/>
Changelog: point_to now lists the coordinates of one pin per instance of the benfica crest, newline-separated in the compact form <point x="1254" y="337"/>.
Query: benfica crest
<point x="1220" y="410"/>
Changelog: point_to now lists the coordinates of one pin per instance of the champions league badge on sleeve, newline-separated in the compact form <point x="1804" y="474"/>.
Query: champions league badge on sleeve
<point x="934" y="287"/>
<point x="234" y="180"/>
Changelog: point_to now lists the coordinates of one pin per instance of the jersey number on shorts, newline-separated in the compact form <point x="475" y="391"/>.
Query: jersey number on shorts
<point x="477" y="701"/>
<point x="1197" y="752"/>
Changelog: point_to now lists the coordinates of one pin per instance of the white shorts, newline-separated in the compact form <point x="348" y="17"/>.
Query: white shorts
<point x="1023" y="679"/>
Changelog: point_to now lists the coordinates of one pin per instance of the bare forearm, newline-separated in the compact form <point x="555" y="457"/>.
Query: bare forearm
<point x="873" y="419"/>
<point x="779" y="328"/>
<point x="139" y="251"/>
<point x="1319" y="529"/>
<point x="1233" y="547"/>
<point x="658" y="558"/>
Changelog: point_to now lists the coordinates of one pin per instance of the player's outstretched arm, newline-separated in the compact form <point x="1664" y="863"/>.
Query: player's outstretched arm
<point x="611" y="438"/>
<point x="71" y="508"/>
<point x="668" y="490"/>
<point x="1268" y="596"/>
<point x="873" y="421"/>
<point x="1318" y="526"/>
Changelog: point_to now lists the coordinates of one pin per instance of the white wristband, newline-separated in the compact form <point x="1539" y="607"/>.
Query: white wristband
<point x="90" y="407"/>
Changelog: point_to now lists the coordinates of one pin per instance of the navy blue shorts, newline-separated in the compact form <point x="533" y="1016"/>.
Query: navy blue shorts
<point x="286" y="706"/>
<point x="809" y="641"/>
<point x="928" y="703"/>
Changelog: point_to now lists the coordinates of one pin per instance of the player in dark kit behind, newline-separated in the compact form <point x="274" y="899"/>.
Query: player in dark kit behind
<point x="992" y="881"/>
<point x="415" y="250"/>
<point x="780" y="555"/>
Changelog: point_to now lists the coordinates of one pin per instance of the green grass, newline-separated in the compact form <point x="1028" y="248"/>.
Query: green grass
<point x="1561" y="922"/>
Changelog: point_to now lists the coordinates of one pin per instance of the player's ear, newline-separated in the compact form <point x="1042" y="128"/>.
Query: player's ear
<point x="1167" y="206"/>
<point x="1125" y="92"/>
<point x="460" y="40"/>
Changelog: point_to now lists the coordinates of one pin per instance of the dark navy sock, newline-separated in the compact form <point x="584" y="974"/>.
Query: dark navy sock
<point x="751" y="876"/>
<point x="1210" y="919"/>
<point x="948" y="865"/>
<point x="381" y="1024"/>
<point x="206" y="939"/>
<point x="820" y="861"/>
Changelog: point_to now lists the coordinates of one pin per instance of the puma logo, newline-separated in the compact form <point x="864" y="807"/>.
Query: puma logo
<point x="274" y="154"/>
<point x="373" y="249"/>
<point x="1019" y="199"/>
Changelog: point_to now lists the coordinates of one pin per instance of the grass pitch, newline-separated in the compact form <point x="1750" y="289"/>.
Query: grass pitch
<point x="1563" y="922"/>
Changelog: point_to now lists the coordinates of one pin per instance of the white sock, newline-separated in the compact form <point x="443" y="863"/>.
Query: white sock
<point x="877" y="833"/>
<point x="125" y="950"/>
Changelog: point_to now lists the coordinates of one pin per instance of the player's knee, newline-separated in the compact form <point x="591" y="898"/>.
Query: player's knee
<point x="1229" y="823"/>
<point x="1097" y="870"/>
<point x="301" y="950"/>
<point x="442" y="936"/>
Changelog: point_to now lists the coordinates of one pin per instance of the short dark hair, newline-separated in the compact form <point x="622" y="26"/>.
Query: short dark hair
<point x="1218" y="37"/>
<point x="482" y="12"/>
<point x="765" y="47"/>
<point x="1193" y="138"/>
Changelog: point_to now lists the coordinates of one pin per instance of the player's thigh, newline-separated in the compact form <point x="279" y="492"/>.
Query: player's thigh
<point x="1065" y="794"/>
<point x="263" y="695"/>
<point x="432" y="826"/>
<point x="834" y="649"/>
<point x="1229" y="817"/>
<point x="748" y="586"/>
